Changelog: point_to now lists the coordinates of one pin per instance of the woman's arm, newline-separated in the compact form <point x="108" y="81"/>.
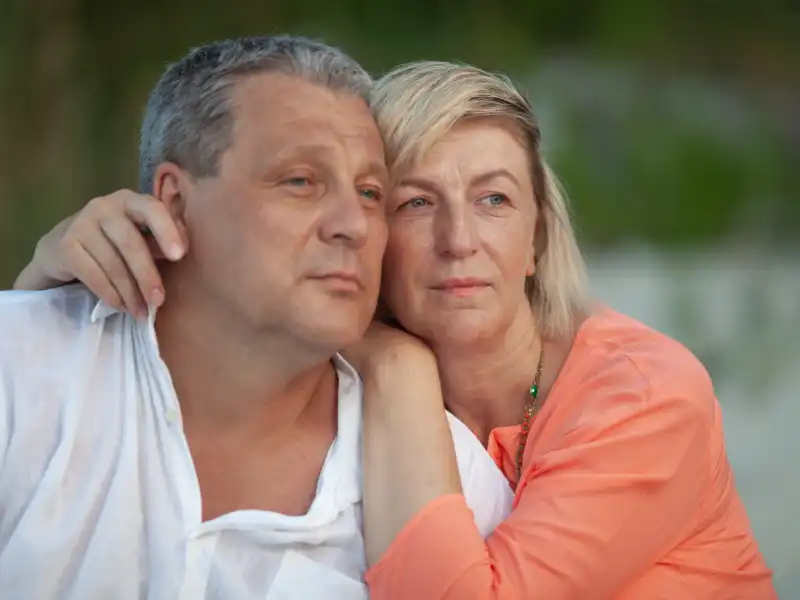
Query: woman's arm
<point x="103" y="246"/>
<point x="31" y="278"/>
<point x="594" y="515"/>
<point x="409" y="459"/>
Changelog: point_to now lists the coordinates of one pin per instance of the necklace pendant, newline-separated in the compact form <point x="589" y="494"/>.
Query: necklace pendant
<point x="530" y="409"/>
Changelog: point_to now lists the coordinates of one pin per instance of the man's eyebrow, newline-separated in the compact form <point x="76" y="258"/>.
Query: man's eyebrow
<point x="377" y="169"/>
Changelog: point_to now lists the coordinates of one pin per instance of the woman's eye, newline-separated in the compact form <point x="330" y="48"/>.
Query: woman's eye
<point x="416" y="203"/>
<point x="494" y="199"/>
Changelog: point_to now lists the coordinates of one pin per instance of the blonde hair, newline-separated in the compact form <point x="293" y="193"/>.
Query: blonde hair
<point x="418" y="103"/>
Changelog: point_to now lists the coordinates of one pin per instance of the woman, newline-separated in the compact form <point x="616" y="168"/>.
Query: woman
<point x="609" y="432"/>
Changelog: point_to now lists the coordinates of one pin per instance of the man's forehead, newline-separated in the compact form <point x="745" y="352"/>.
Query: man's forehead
<point x="281" y="102"/>
<point x="303" y="149"/>
<point x="291" y="98"/>
<point x="286" y="117"/>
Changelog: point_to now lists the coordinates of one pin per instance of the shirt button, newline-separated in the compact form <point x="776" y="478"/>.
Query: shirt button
<point x="172" y="416"/>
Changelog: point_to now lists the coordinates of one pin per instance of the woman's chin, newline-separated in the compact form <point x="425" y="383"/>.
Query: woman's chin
<point x="461" y="330"/>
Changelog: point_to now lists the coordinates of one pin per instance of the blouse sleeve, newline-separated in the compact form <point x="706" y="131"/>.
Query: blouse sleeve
<point x="592" y="516"/>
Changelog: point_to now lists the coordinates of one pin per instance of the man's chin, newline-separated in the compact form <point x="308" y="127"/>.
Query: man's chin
<point x="333" y="336"/>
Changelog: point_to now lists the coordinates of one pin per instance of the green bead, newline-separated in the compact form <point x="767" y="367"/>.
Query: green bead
<point x="534" y="391"/>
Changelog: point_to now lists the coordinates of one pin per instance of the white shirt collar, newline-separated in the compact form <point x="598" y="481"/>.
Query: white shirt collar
<point x="102" y="311"/>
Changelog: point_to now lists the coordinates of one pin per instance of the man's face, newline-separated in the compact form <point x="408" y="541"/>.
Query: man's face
<point x="289" y="235"/>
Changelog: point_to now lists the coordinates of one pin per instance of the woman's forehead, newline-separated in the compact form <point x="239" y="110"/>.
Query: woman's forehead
<point x="477" y="150"/>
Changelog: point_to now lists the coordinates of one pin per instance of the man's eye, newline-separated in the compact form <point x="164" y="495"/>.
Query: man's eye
<point x="372" y="194"/>
<point x="298" y="181"/>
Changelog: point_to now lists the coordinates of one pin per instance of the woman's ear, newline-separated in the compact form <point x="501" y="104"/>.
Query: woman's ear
<point x="532" y="260"/>
<point x="539" y="245"/>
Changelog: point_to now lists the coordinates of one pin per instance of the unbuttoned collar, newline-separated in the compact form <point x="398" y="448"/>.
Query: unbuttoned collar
<point x="102" y="311"/>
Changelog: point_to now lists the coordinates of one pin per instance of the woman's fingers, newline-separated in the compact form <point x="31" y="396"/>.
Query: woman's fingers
<point x="92" y="275"/>
<point x="124" y="234"/>
<point x="153" y="218"/>
<point x="132" y="249"/>
<point x="111" y="245"/>
<point x="114" y="284"/>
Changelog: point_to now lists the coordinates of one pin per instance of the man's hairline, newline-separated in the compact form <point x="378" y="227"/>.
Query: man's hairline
<point x="232" y="90"/>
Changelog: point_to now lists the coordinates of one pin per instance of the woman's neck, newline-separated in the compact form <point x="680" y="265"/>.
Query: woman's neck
<point x="486" y="384"/>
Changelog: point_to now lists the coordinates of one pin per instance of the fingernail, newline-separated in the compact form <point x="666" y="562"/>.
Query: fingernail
<point x="135" y="311"/>
<point x="174" y="252"/>
<point x="142" y="313"/>
<point x="157" y="297"/>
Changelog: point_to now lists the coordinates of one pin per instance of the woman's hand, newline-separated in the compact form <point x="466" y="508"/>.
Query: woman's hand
<point x="111" y="246"/>
<point x="387" y="351"/>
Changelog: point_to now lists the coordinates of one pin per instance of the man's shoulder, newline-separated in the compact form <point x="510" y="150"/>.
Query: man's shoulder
<point x="66" y="303"/>
<point x="58" y="350"/>
<point x="42" y="323"/>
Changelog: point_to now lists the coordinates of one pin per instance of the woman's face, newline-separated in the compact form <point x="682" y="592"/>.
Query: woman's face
<point x="461" y="226"/>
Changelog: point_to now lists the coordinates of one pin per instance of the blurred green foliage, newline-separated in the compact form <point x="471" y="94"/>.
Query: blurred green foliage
<point x="672" y="122"/>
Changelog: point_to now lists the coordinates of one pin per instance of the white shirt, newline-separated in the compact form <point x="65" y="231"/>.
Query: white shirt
<point x="99" y="499"/>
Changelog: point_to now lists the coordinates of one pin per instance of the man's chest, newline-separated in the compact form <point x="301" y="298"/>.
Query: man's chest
<point x="127" y="525"/>
<point x="279" y="476"/>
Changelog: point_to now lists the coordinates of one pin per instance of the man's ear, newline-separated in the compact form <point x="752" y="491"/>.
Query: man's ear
<point x="171" y="185"/>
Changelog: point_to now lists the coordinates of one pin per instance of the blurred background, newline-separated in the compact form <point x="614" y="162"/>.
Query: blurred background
<point x="674" y="124"/>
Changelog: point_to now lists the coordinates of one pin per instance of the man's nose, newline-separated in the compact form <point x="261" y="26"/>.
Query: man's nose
<point x="347" y="218"/>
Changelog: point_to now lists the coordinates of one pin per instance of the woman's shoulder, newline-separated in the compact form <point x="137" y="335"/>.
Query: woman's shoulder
<point x="619" y="359"/>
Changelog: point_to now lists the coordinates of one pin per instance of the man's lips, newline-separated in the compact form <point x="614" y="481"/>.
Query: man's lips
<point x="341" y="280"/>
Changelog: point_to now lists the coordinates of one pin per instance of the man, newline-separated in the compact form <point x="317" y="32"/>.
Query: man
<point x="213" y="451"/>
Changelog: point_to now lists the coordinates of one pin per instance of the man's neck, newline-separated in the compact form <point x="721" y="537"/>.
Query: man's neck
<point x="227" y="376"/>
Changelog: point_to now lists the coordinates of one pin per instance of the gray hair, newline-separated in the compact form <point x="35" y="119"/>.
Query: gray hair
<point x="188" y="119"/>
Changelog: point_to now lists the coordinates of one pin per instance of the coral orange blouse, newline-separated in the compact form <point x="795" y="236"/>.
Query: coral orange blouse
<point x="626" y="493"/>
